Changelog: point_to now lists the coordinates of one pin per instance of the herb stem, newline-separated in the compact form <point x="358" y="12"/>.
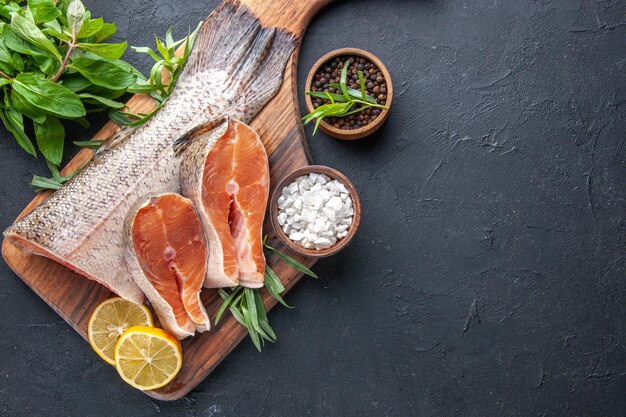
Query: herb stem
<point x="65" y="60"/>
<point x="7" y="76"/>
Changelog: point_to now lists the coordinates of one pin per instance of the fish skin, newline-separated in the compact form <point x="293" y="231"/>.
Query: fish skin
<point x="235" y="68"/>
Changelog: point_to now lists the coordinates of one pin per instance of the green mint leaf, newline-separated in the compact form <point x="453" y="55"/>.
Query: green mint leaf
<point x="75" y="16"/>
<point x="108" y="30"/>
<point x="5" y="55"/>
<point x="43" y="10"/>
<point x="17" y="62"/>
<point x="57" y="33"/>
<point x="90" y="28"/>
<point x="75" y="82"/>
<point x="27" y="109"/>
<point x="108" y="74"/>
<point x="44" y="60"/>
<point x="23" y="25"/>
<point x="50" y="136"/>
<point x="14" y="122"/>
<point x="54" y="169"/>
<point x="82" y="121"/>
<point x="48" y="96"/>
<point x="105" y="50"/>
<point x="7" y="9"/>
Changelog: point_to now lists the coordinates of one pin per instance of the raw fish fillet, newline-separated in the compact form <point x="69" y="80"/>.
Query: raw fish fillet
<point x="230" y="192"/>
<point x="166" y="255"/>
<point x="235" y="68"/>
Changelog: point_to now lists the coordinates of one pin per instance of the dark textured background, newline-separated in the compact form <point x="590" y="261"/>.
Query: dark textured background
<point x="488" y="276"/>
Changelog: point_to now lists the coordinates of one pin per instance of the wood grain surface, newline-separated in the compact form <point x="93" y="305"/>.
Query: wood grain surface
<point x="74" y="297"/>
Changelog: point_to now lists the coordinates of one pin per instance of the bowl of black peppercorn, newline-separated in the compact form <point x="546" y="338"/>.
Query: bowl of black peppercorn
<point x="324" y="77"/>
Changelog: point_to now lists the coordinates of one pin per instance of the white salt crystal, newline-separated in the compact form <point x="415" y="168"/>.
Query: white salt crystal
<point x="308" y="197"/>
<point x="341" y="188"/>
<point x="296" y="236"/>
<point x="318" y="202"/>
<point x="330" y="213"/>
<point x="322" y="243"/>
<point x="292" y="188"/>
<point x="335" y="203"/>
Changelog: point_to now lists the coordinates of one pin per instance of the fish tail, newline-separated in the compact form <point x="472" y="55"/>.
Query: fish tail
<point x="261" y="73"/>
<point x="233" y="40"/>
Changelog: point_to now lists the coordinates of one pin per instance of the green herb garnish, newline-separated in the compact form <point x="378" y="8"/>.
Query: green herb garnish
<point x="55" y="65"/>
<point x="167" y="66"/>
<point x="341" y="104"/>
<point x="89" y="144"/>
<point x="246" y="304"/>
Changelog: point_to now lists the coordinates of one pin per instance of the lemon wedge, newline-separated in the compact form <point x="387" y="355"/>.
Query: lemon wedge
<point x="112" y="318"/>
<point x="148" y="358"/>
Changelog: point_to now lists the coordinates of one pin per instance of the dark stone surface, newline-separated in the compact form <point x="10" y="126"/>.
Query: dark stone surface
<point x="488" y="274"/>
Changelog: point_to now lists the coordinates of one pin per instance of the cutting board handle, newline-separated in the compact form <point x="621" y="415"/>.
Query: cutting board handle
<point x="293" y="15"/>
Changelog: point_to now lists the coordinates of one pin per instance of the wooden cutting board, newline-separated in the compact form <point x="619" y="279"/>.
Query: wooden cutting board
<point x="74" y="297"/>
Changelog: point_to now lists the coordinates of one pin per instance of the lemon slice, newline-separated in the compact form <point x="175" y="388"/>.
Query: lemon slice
<point x="148" y="358"/>
<point x="112" y="318"/>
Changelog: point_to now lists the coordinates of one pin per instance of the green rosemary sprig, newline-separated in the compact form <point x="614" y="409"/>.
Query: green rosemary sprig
<point x="341" y="104"/>
<point x="55" y="181"/>
<point x="246" y="304"/>
<point x="89" y="144"/>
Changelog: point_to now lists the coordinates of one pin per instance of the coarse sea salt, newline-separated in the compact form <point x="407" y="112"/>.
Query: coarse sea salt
<point x="315" y="211"/>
